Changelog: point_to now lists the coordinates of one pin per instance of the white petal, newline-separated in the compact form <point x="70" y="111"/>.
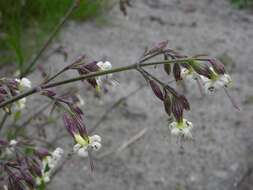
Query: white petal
<point x="20" y="104"/>
<point x="96" y="146"/>
<point x="187" y="132"/>
<point x="25" y="83"/>
<point x="82" y="152"/>
<point x="13" y="142"/>
<point x="104" y="65"/>
<point x="175" y="131"/>
<point x="107" y="65"/>
<point x="95" y="138"/>
<point x="100" y="64"/>
<point x="76" y="147"/>
<point x="173" y="125"/>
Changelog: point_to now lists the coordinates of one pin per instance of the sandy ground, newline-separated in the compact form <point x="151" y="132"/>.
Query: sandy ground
<point x="221" y="153"/>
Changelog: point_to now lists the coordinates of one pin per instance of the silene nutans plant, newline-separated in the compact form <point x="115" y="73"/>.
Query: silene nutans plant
<point x="27" y="166"/>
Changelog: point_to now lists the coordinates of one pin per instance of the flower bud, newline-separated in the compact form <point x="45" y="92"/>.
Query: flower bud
<point x="3" y="142"/>
<point x="177" y="72"/>
<point x="68" y="124"/>
<point x="156" y="89"/>
<point x="79" y="59"/>
<point x="184" y="102"/>
<point x="92" y="67"/>
<point x="2" y="90"/>
<point x="167" y="104"/>
<point x="167" y="68"/>
<point x="202" y="69"/>
<point x="48" y="93"/>
<point x="177" y="108"/>
<point x="217" y="66"/>
<point x="42" y="153"/>
<point x="28" y="178"/>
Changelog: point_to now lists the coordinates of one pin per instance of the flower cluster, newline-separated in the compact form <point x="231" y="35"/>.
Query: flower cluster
<point x="27" y="170"/>
<point x="213" y="76"/>
<point x="217" y="82"/>
<point x="77" y="130"/>
<point x="23" y="84"/>
<point x="182" y="128"/>
<point x="208" y="72"/>
<point x="101" y="82"/>
<point x="82" y="146"/>
<point x="11" y="147"/>
<point x="49" y="162"/>
<point x="12" y="87"/>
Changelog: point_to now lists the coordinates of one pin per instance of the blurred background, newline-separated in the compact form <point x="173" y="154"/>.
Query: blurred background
<point x="221" y="154"/>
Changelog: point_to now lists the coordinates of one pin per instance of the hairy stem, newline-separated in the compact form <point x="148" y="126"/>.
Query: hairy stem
<point x="88" y="76"/>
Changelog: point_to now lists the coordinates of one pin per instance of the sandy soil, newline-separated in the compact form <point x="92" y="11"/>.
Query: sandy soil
<point x="221" y="153"/>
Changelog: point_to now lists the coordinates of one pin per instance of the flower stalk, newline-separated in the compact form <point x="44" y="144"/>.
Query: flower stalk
<point x="88" y="76"/>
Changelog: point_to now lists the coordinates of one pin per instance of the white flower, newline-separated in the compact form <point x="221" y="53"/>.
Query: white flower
<point x="20" y="104"/>
<point x="217" y="81"/>
<point x="188" y="74"/>
<point x="95" y="138"/>
<point x="95" y="142"/>
<point x="96" y="146"/>
<point x="106" y="79"/>
<point x="220" y="81"/>
<point x="104" y="65"/>
<point x="54" y="159"/>
<point x="24" y="83"/>
<point x="81" y="148"/>
<point x="82" y="152"/>
<point x="13" y="142"/>
<point x="48" y="163"/>
<point x="11" y="148"/>
<point x="182" y="129"/>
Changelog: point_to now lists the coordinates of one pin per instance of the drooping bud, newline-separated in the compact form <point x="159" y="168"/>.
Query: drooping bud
<point x="3" y="142"/>
<point x="167" y="104"/>
<point x="186" y="65"/>
<point x="202" y="69"/>
<point x="217" y="66"/>
<point x="184" y="102"/>
<point x="92" y="67"/>
<point x="14" y="182"/>
<point x="79" y="59"/>
<point x="167" y="68"/>
<point x="42" y="153"/>
<point x="158" y="47"/>
<point x="2" y="90"/>
<point x="34" y="166"/>
<point x="48" y="93"/>
<point x="156" y="89"/>
<point x="78" y="123"/>
<point x="28" y="178"/>
<point x="177" y="109"/>
<point x="177" y="72"/>
<point x="68" y="124"/>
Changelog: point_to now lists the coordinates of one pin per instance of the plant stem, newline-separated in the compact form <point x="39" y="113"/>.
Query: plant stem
<point x="4" y="120"/>
<point x="88" y="76"/>
<point x="50" y="39"/>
